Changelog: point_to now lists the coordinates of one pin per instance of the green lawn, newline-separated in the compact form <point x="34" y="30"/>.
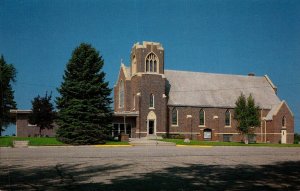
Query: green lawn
<point x="116" y="143"/>
<point x="193" y="142"/>
<point x="44" y="141"/>
<point x="33" y="141"/>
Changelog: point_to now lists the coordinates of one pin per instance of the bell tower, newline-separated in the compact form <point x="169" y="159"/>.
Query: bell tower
<point x="148" y="85"/>
<point x="147" y="58"/>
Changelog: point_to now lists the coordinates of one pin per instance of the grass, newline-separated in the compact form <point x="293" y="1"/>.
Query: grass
<point x="210" y="143"/>
<point x="44" y="141"/>
<point x="33" y="141"/>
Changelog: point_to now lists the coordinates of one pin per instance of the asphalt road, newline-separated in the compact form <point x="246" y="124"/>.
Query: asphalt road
<point x="150" y="168"/>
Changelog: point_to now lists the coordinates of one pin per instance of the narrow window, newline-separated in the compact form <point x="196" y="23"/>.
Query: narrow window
<point x="201" y="117"/>
<point x="147" y="66"/>
<point x="151" y="101"/>
<point x="151" y="66"/>
<point x="174" y="117"/>
<point x="133" y="102"/>
<point x="227" y="118"/>
<point x="155" y="66"/>
<point x="121" y="94"/>
<point x="283" y="121"/>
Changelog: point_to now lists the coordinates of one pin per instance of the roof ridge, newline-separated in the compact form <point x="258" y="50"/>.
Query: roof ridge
<point x="209" y="73"/>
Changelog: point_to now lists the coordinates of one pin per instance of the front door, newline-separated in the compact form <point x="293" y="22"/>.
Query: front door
<point x="151" y="127"/>
<point x="283" y="136"/>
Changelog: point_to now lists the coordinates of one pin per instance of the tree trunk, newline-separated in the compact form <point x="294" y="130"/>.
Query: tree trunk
<point x="246" y="141"/>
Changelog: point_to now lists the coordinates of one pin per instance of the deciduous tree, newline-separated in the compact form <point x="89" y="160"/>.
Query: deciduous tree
<point x="247" y="115"/>
<point x="42" y="112"/>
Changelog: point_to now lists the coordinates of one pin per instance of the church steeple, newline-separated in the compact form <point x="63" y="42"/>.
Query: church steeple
<point x="147" y="58"/>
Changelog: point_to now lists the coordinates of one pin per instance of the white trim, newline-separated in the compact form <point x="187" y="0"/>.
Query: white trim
<point x="255" y="133"/>
<point x="194" y="133"/>
<point x="271" y="83"/>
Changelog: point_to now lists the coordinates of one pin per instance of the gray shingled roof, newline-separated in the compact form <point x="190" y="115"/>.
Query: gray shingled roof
<point x="217" y="90"/>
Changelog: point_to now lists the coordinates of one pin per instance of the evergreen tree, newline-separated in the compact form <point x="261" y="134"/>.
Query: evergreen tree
<point x="247" y="115"/>
<point x="7" y="102"/>
<point x="42" y="112"/>
<point x="85" y="114"/>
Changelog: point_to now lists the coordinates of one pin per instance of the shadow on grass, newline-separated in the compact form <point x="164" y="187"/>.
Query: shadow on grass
<point x="277" y="176"/>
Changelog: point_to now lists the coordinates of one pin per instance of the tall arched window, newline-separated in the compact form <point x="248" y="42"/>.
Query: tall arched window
<point x="283" y="121"/>
<point x="121" y="94"/>
<point x="151" y="103"/>
<point x="174" y="116"/>
<point x="134" y="67"/>
<point x="227" y="118"/>
<point x="201" y="117"/>
<point x="151" y="63"/>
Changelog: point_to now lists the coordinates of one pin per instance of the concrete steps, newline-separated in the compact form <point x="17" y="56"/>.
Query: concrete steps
<point x="20" y="144"/>
<point x="148" y="142"/>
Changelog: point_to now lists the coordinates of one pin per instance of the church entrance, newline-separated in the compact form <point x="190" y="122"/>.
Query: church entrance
<point x="151" y="127"/>
<point x="151" y="123"/>
<point x="283" y="136"/>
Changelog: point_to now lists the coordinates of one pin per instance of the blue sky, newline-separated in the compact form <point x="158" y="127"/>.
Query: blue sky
<point x="216" y="36"/>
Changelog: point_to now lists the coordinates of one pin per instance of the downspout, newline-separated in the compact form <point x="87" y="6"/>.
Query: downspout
<point x="261" y="126"/>
<point x="265" y="131"/>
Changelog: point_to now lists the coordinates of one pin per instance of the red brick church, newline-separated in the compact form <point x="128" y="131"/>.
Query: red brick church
<point x="151" y="101"/>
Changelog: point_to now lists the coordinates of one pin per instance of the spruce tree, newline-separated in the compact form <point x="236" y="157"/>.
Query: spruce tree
<point x="7" y="102"/>
<point x="84" y="115"/>
<point x="42" y="112"/>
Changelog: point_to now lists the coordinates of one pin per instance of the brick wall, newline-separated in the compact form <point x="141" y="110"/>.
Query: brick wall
<point x="24" y="129"/>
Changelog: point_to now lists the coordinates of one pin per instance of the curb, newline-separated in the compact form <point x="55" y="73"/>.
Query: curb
<point x="199" y="146"/>
<point x="113" y="145"/>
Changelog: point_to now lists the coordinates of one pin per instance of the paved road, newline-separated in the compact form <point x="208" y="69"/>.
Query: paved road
<point x="150" y="168"/>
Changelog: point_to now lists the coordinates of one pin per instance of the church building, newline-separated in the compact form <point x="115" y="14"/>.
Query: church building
<point x="150" y="101"/>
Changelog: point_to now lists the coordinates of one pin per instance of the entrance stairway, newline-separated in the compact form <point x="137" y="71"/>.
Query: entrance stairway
<point x="20" y="144"/>
<point x="149" y="141"/>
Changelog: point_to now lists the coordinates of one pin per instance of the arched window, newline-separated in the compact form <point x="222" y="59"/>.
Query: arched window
<point x="227" y="118"/>
<point x="121" y="94"/>
<point x="201" y="117"/>
<point x="151" y="63"/>
<point x="283" y="121"/>
<point x="151" y="103"/>
<point x="174" y="116"/>
<point x="134" y="69"/>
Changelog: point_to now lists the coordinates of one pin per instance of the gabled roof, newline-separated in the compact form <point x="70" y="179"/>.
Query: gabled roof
<point x="275" y="110"/>
<point x="218" y="90"/>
